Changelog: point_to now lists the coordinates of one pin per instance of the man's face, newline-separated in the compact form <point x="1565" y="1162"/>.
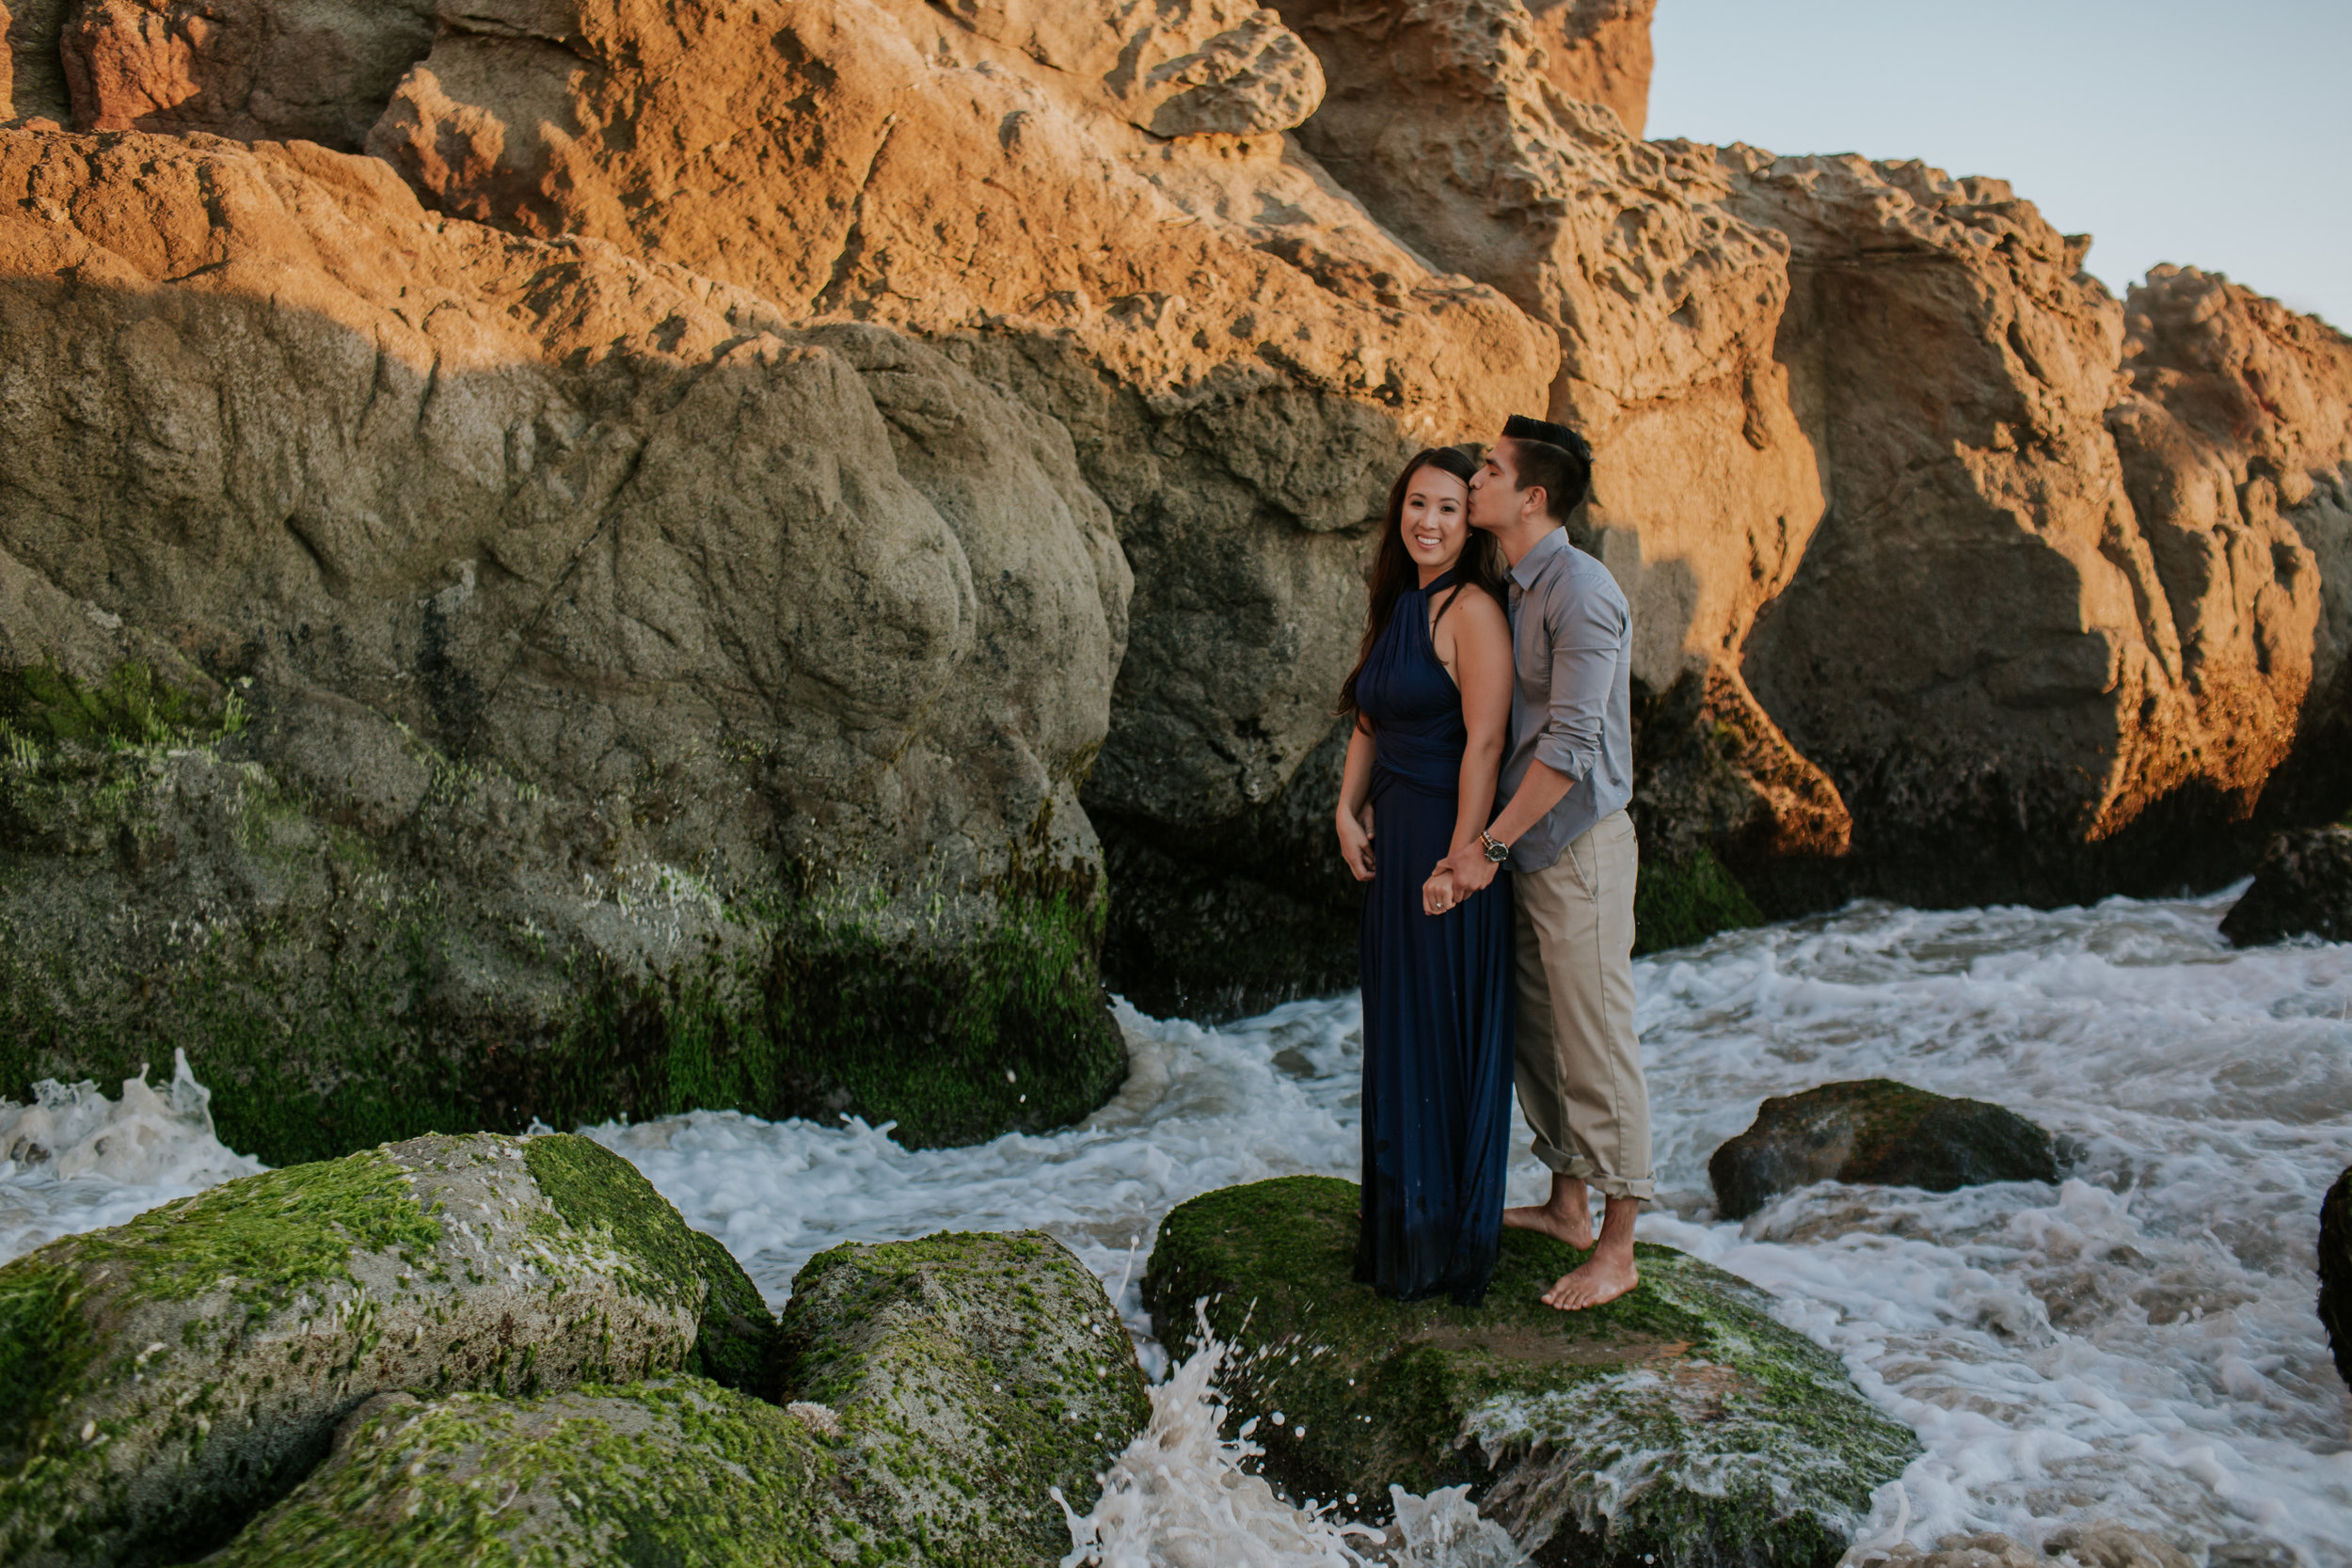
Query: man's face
<point x="1495" y="496"/>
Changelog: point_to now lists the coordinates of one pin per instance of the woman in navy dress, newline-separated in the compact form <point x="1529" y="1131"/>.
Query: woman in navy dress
<point x="1432" y="697"/>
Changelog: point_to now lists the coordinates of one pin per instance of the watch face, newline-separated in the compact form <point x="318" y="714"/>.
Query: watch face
<point x="1498" y="852"/>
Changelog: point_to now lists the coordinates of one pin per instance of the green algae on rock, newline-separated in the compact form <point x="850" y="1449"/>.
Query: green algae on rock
<point x="353" y="961"/>
<point x="970" y="1376"/>
<point x="1878" y="1131"/>
<point x="176" y="1373"/>
<point x="1680" y="903"/>
<point x="1679" y="1424"/>
<point x="668" y="1471"/>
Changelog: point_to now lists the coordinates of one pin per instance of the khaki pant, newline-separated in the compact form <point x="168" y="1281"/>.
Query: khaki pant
<point x="1579" y="1062"/>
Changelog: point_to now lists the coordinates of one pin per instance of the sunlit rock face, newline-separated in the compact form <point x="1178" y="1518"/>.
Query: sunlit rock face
<point x="974" y="414"/>
<point x="497" y="627"/>
<point x="2058" y="631"/>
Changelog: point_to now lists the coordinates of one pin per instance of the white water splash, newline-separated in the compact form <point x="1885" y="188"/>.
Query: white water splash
<point x="1182" y="1495"/>
<point x="2137" y="1343"/>
<point x="73" y="1160"/>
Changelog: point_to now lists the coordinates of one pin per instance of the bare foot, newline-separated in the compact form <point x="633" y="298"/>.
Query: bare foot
<point x="1602" y="1277"/>
<point x="1609" y="1272"/>
<point x="1566" y="1217"/>
<point x="1560" y="1226"/>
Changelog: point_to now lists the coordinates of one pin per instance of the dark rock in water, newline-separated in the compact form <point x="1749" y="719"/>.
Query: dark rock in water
<point x="2303" y="887"/>
<point x="966" y="1375"/>
<point x="167" y="1378"/>
<point x="2335" y="1272"/>
<point x="1879" y="1131"/>
<point x="675" y="1470"/>
<point x="1679" y="1424"/>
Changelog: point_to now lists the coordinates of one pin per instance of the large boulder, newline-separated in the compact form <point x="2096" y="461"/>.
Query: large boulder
<point x="940" y="1392"/>
<point x="1879" y="1131"/>
<point x="169" y="1377"/>
<point x="2335" y="1272"/>
<point x="1240" y="356"/>
<point x="2302" y="887"/>
<point x="580" y="695"/>
<point x="673" y="1470"/>
<point x="2108" y="696"/>
<point x="651" y="698"/>
<point x="2235" y="436"/>
<point x="1681" y="1423"/>
<point x="966" y="1380"/>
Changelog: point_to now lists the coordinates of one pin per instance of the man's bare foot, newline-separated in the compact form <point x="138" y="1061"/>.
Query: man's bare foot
<point x="1566" y="1216"/>
<point x="1602" y="1277"/>
<point x="1609" y="1272"/>
<point x="1546" y="1220"/>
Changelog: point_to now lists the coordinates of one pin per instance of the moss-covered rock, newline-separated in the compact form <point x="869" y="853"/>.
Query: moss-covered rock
<point x="2335" y="1272"/>
<point x="1676" y="903"/>
<point x="1877" y="1130"/>
<point x="358" y="938"/>
<point x="671" y="1471"/>
<point x="169" y="1377"/>
<point x="969" y="1375"/>
<point x="1678" y="1425"/>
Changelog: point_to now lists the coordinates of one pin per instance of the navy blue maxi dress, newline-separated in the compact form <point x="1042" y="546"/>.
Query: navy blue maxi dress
<point x="1438" y="995"/>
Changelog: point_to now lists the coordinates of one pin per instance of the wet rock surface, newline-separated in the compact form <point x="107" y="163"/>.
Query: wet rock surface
<point x="2335" y="1272"/>
<point x="458" y="1346"/>
<point x="967" y="1377"/>
<point x="571" y="724"/>
<point x="171" y="1376"/>
<point x="2302" y="887"/>
<point x="670" y="1470"/>
<point x="1877" y="1132"/>
<point x="1680" y="1422"/>
<point x="2094" y="1544"/>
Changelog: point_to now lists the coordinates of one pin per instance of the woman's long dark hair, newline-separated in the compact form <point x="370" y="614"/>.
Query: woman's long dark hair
<point x="1395" y="570"/>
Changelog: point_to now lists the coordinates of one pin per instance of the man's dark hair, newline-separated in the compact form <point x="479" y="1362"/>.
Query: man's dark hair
<point x="1553" y="456"/>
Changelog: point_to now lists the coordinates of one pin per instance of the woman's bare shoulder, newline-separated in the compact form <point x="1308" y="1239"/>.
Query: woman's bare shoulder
<point x="1484" y="617"/>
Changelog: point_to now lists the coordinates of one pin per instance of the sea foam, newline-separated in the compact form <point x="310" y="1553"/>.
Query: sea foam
<point x="2135" y="1343"/>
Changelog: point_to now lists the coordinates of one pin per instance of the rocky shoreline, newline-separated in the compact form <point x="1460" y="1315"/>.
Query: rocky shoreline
<point x="455" y="1344"/>
<point x="582" y="560"/>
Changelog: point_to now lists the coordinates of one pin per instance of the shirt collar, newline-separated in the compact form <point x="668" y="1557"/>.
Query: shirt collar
<point x="1542" y="550"/>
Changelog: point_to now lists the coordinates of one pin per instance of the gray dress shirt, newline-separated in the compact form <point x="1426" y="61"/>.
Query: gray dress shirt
<point x="1571" y="692"/>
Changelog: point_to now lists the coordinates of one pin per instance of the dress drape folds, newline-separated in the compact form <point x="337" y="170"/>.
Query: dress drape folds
<point x="1438" y="992"/>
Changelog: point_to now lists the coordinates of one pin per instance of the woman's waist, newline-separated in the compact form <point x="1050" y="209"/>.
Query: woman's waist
<point x="1433" y="778"/>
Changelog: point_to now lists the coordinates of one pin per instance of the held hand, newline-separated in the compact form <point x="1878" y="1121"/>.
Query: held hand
<point x="1438" y="894"/>
<point x="1469" y="869"/>
<point x="1355" y="846"/>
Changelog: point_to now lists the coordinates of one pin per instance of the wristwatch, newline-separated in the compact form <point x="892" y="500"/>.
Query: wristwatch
<point x="1497" y="850"/>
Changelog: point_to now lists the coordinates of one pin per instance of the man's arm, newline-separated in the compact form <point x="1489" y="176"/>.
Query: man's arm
<point x="1586" y="635"/>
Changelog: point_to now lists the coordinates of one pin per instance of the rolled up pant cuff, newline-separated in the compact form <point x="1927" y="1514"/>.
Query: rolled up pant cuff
<point x="1643" y="1188"/>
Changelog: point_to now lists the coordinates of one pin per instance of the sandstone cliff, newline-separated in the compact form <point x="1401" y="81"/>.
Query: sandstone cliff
<point x="567" y="557"/>
<point x="614" y="660"/>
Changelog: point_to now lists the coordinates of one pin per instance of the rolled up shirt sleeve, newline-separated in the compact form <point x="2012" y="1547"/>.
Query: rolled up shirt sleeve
<point x="1587" y="631"/>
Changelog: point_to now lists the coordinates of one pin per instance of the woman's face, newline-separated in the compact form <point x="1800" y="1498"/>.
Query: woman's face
<point x="1437" y="517"/>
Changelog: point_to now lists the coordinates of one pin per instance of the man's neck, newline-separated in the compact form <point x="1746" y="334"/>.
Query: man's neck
<point x="1522" y="537"/>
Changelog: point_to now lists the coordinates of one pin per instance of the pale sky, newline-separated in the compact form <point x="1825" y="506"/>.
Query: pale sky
<point x="2209" y="134"/>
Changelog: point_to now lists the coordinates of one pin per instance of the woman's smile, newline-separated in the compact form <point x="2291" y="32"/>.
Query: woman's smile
<point x="1435" y="521"/>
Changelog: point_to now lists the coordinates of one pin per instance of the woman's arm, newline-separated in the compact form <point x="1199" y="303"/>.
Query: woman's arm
<point x="1482" y="662"/>
<point x="1355" y="813"/>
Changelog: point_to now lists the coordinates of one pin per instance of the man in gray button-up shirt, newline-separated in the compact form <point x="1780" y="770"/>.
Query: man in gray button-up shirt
<point x="1565" y="836"/>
